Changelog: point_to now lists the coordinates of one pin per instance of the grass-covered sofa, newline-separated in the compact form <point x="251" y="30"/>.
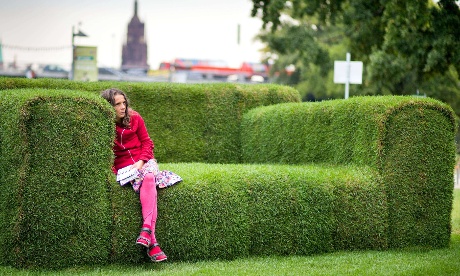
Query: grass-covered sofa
<point x="263" y="173"/>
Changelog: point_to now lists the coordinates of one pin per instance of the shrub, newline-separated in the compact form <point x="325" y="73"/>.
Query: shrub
<point x="188" y="123"/>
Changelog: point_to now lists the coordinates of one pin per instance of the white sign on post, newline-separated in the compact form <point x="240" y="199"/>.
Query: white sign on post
<point x="348" y="72"/>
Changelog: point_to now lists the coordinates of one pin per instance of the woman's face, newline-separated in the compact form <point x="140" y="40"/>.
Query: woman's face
<point x="120" y="106"/>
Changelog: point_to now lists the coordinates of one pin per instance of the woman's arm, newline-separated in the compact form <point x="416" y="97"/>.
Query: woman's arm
<point x="147" y="145"/>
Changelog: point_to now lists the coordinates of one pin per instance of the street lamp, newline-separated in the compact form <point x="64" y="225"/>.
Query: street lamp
<point x="74" y="34"/>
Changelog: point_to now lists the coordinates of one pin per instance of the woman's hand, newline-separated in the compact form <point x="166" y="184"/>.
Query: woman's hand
<point x="138" y="165"/>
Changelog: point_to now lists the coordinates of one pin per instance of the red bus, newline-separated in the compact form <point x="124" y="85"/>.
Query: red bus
<point x="217" y="69"/>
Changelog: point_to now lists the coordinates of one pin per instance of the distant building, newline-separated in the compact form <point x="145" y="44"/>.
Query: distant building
<point x="134" y="54"/>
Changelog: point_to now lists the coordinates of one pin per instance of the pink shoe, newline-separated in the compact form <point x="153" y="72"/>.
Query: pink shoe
<point x="155" y="253"/>
<point x="144" y="237"/>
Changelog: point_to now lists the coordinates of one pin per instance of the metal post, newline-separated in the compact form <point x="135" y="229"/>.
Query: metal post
<point x="238" y="34"/>
<point x="347" y="83"/>
<point x="72" y="70"/>
<point x="456" y="177"/>
<point x="80" y="33"/>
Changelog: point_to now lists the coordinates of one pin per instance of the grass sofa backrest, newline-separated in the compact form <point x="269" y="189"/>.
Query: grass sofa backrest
<point x="187" y="122"/>
<point x="201" y="123"/>
<point x="409" y="141"/>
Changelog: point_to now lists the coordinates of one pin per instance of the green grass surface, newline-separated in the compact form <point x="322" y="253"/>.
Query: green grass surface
<point x="412" y="261"/>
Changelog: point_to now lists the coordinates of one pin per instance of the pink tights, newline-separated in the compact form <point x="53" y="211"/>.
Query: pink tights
<point x="148" y="198"/>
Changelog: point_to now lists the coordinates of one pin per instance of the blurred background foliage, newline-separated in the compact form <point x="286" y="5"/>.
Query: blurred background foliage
<point x="407" y="47"/>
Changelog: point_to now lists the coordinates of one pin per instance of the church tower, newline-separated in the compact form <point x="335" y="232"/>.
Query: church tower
<point x="134" y="54"/>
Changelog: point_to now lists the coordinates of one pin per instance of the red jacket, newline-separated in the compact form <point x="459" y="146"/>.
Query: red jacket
<point x="132" y="144"/>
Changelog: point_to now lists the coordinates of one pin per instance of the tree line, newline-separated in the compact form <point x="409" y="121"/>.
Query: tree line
<point x="407" y="47"/>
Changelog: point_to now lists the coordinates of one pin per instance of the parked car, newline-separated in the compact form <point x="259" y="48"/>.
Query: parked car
<point x="53" y="71"/>
<point x="110" y="74"/>
<point x="54" y="68"/>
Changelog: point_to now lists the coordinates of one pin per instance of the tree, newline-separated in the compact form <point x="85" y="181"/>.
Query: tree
<point x="306" y="46"/>
<point x="270" y="10"/>
<point x="420" y="42"/>
<point x="405" y="45"/>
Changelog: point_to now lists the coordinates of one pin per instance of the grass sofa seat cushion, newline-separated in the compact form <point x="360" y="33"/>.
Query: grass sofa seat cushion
<point x="223" y="211"/>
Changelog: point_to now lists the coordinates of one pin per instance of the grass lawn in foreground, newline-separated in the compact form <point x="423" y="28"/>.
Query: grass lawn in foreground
<point x="412" y="261"/>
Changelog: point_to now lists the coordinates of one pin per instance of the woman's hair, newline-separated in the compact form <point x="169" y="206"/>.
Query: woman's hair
<point x="109" y="95"/>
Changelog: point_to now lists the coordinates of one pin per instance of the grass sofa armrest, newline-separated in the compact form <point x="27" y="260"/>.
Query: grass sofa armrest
<point x="55" y="157"/>
<point x="408" y="140"/>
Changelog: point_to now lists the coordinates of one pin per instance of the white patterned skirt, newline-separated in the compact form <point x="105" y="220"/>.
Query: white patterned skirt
<point x="163" y="179"/>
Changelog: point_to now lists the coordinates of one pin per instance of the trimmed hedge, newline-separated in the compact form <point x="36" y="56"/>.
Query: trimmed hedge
<point x="408" y="140"/>
<point x="55" y="157"/>
<point x="30" y="113"/>
<point x="362" y="173"/>
<point x="188" y="123"/>
<point x="235" y="210"/>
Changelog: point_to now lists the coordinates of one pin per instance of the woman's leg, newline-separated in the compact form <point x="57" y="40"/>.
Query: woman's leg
<point x="148" y="198"/>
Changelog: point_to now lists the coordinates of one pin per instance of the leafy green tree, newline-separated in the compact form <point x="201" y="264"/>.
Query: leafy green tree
<point x="420" y="42"/>
<point x="364" y="27"/>
<point x="308" y="46"/>
<point x="406" y="46"/>
<point x="270" y="10"/>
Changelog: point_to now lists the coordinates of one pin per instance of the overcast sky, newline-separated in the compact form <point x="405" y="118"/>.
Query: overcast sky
<point x="205" y="29"/>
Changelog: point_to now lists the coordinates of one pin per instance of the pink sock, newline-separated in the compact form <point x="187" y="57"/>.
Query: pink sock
<point x="148" y="198"/>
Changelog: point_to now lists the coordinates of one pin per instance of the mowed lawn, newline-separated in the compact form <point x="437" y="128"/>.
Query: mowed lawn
<point x="412" y="261"/>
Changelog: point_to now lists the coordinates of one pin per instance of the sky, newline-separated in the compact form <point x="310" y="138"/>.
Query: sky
<point x="40" y="31"/>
